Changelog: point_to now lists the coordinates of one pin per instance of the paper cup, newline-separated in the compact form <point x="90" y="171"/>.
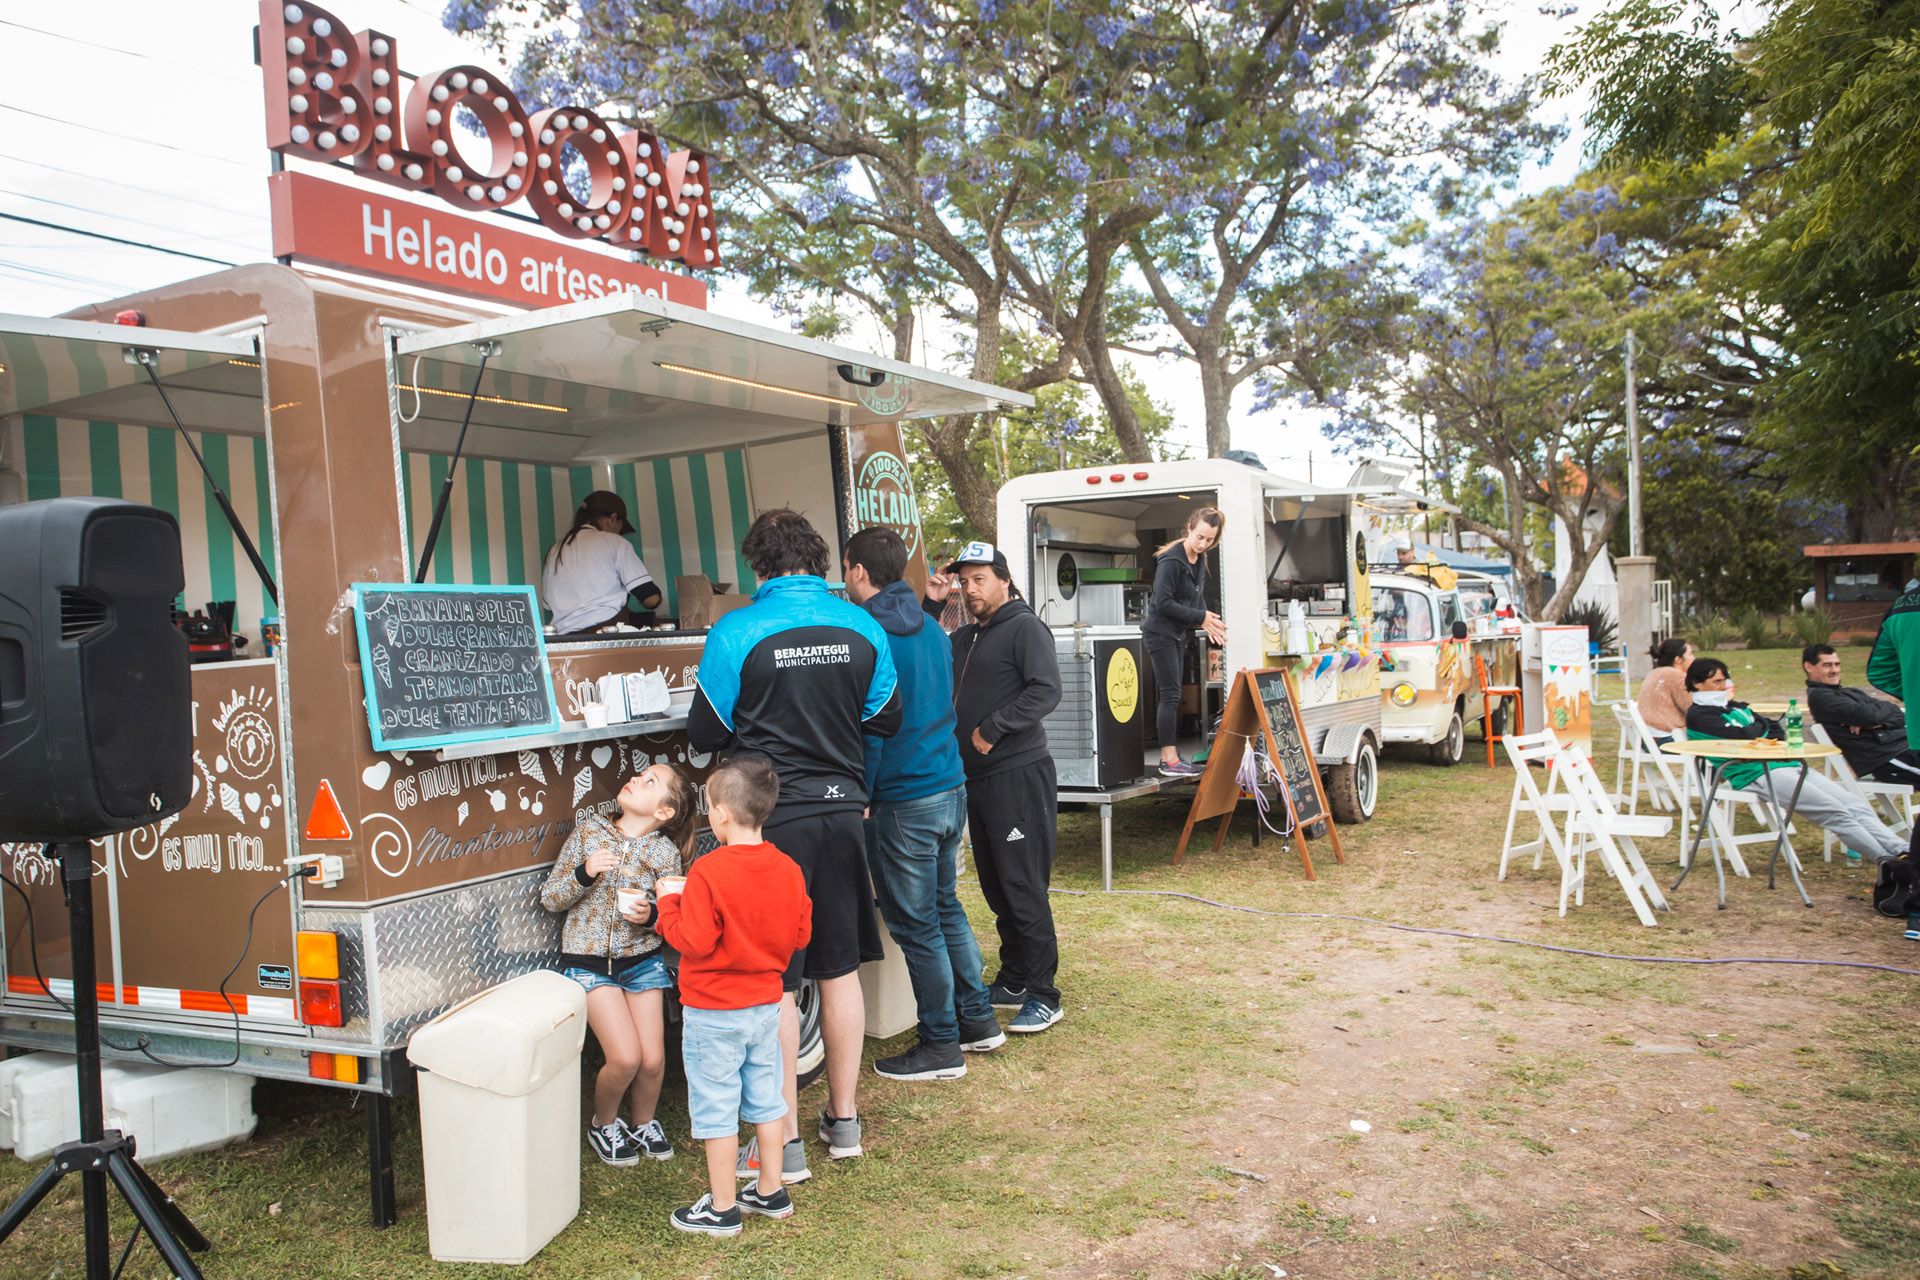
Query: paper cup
<point x="630" y="900"/>
<point x="669" y="884"/>
<point x="595" y="714"/>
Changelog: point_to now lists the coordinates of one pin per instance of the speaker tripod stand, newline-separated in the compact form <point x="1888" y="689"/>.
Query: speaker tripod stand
<point x="101" y="1154"/>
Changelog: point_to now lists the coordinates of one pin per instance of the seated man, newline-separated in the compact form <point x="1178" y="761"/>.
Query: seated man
<point x="1869" y="729"/>
<point x="1716" y="715"/>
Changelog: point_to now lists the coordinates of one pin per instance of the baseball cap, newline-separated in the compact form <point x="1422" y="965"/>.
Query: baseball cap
<point x="605" y="502"/>
<point x="981" y="553"/>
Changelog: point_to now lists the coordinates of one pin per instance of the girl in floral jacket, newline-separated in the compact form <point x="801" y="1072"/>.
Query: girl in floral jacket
<point x="614" y="952"/>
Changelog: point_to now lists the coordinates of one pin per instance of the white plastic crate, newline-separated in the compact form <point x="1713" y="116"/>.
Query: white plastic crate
<point x="24" y="1067"/>
<point x="167" y="1110"/>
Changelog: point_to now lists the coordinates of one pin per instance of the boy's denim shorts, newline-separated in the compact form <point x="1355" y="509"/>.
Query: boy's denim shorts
<point x="649" y="974"/>
<point x="732" y="1057"/>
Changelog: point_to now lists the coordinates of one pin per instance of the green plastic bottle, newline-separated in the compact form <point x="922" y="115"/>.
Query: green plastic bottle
<point x="1794" y="737"/>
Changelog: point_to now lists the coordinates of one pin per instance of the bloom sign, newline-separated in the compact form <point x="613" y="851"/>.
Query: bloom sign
<point x="334" y="96"/>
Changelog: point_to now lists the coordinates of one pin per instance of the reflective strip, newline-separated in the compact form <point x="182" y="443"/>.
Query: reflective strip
<point x="247" y="1006"/>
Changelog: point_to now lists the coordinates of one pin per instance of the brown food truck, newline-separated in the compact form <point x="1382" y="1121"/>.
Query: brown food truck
<point x="333" y="412"/>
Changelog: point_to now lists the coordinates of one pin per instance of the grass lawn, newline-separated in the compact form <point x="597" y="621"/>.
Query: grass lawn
<point x="1236" y="1095"/>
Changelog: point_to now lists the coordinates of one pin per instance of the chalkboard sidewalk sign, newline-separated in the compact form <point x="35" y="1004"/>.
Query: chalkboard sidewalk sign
<point x="445" y="664"/>
<point x="1262" y="709"/>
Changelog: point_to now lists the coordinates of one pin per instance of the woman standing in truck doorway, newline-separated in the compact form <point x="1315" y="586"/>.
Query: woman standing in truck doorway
<point x="1178" y="605"/>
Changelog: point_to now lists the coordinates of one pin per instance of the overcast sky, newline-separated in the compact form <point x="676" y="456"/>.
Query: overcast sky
<point x="144" y="121"/>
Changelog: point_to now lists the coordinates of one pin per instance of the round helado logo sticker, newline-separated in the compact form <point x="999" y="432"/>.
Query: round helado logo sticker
<point x="884" y="497"/>
<point x="1123" y="685"/>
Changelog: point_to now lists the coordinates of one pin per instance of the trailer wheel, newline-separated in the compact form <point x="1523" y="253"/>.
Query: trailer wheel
<point x="1353" y="788"/>
<point x="813" y="1042"/>
<point x="1452" y="748"/>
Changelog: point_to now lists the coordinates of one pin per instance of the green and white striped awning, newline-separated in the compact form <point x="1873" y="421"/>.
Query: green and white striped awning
<point x="81" y="369"/>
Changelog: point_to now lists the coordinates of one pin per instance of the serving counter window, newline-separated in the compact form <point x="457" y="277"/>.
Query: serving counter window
<point x="77" y="419"/>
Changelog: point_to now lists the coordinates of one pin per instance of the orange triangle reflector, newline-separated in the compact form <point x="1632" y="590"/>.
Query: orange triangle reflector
<point x="325" y="821"/>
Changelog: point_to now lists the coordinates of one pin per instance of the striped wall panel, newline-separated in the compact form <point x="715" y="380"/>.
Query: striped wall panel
<point x="69" y="457"/>
<point x="689" y="514"/>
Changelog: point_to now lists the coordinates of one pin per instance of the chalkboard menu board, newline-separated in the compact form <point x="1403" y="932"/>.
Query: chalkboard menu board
<point x="450" y="664"/>
<point x="1295" y="764"/>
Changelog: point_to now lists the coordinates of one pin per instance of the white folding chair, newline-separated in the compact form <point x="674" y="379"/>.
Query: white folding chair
<point x="1546" y="808"/>
<point x="1892" y="798"/>
<point x="1593" y="821"/>
<point x="1637" y="756"/>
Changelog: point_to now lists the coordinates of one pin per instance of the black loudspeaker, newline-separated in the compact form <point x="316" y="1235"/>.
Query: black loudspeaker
<point x="96" y="708"/>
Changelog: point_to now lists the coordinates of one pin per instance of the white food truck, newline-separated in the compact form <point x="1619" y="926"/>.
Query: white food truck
<point x="1080" y="544"/>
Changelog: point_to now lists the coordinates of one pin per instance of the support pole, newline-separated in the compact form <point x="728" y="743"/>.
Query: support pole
<point x="76" y="874"/>
<point x="487" y="350"/>
<point x="1633" y="456"/>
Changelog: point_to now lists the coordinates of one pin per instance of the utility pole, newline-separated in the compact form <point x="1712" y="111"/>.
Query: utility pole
<point x="1633" y="456"/>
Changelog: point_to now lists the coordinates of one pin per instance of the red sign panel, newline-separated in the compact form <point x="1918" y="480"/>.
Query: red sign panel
<point x="373" y="234"/>
<point x="334" y="95"/>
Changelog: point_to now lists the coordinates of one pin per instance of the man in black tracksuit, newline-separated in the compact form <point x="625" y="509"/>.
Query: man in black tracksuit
<point x="1005" y="681"/>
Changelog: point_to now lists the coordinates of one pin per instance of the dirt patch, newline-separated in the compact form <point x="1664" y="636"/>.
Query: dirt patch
<point x="1448" y="1109"/>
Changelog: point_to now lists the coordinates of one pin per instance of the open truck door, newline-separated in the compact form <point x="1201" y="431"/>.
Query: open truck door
<point x="89" y="409"/>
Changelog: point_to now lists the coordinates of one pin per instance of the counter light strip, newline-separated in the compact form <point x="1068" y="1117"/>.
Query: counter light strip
<point x="748" y="382"/>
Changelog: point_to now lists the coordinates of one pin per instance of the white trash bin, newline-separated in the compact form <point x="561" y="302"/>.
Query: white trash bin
<point x="500" y="1118"/>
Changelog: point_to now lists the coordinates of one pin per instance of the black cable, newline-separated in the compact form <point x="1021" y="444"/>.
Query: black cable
<point x="144" y="1045"/>
<point x="33" y="940"/>
<point x="101" y="235"/>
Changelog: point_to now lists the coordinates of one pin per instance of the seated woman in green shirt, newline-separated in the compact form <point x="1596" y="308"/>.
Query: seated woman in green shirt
<point x="1715" y="714"/>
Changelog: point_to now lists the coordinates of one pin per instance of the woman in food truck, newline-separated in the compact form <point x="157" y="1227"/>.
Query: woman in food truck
<point x="1177" y="605"/>
<point x="589" y="573"/>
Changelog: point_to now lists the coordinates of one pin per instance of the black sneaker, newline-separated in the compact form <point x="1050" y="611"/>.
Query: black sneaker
<point x="703" y="1219"/>
<point x="1002" y="996"/>
<point x="777" y="1205"/>
<point x="923" y="1062"/>
<point x="981" y="1037"/>
<point x="650" y="1140"/>
<point x="611" y="1143"/>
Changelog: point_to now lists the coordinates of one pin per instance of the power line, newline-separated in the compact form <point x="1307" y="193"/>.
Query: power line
<point x="144" y="222"/>
<point x="142" y="142"/>
<point x="128" y="53"/>
<point x="101" y="235"/>
<point x="117" y="185"/>
<point x="65" y="277"/>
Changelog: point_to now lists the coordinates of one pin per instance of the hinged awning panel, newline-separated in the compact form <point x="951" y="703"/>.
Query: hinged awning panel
<point x="693" y="371"/>
<point x="81" y="369"/>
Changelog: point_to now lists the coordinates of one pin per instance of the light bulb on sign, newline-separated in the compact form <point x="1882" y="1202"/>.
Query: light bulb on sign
<point x="382" y="106"/>
<point x="301" y="133"/>
<point x="381" y="76"/>
<point x="513" y="182"/>
<point x="296" y="46"/>
<point x="415" y="172"/>
<point x="458" y="79"/>
<point x="383" y="133"/>
<point x="296" y="75"/>
<point x="516" y="128"/>
<point x="293" y="13"/>
<point x="385" y="162"/>
<point x="439" y="147"/>
<point x="326" y="141"/>
<point x="298" y="102"/>
<point x="480" y="86"/>
<point x="476" y="192"/>
<point x="455" y="173"/>
<point x="349" y="106"/>
<point x="434" y="117"/>
<point x="322" y="28"/>
<point x="380" y="48"/>
<point x="338" y="58"/>
<point x="323" y="81"/>
<point x="673" y="246"/>
<point x="440" y="93"/>
<point x="497" y="193"/>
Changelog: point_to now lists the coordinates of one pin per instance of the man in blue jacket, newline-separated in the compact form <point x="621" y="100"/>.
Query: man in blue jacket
<point x="917" y="795"/>
<point x="802" y="677"/>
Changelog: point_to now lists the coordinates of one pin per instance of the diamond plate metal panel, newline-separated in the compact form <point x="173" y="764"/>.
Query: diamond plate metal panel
<point x="404" y="962"/>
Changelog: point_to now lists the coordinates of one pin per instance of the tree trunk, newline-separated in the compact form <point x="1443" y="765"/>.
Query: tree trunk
<point x="1583" y="558"/>
<point x="1216" y="396"/>
<point x="974" y="491"/>
<point x="1097" y="358"/>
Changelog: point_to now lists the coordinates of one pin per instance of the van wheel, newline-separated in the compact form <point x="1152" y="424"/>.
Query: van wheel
<point x="1452" y="748"/>
<point x="1353" y="789"/>
<point x="813" y="1042"/>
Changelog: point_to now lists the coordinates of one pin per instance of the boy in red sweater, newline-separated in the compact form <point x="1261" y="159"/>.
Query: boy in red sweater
<point x="736" y="920"/>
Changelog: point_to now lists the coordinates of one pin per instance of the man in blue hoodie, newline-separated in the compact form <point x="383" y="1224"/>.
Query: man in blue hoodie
<point x="918" y="812"/>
